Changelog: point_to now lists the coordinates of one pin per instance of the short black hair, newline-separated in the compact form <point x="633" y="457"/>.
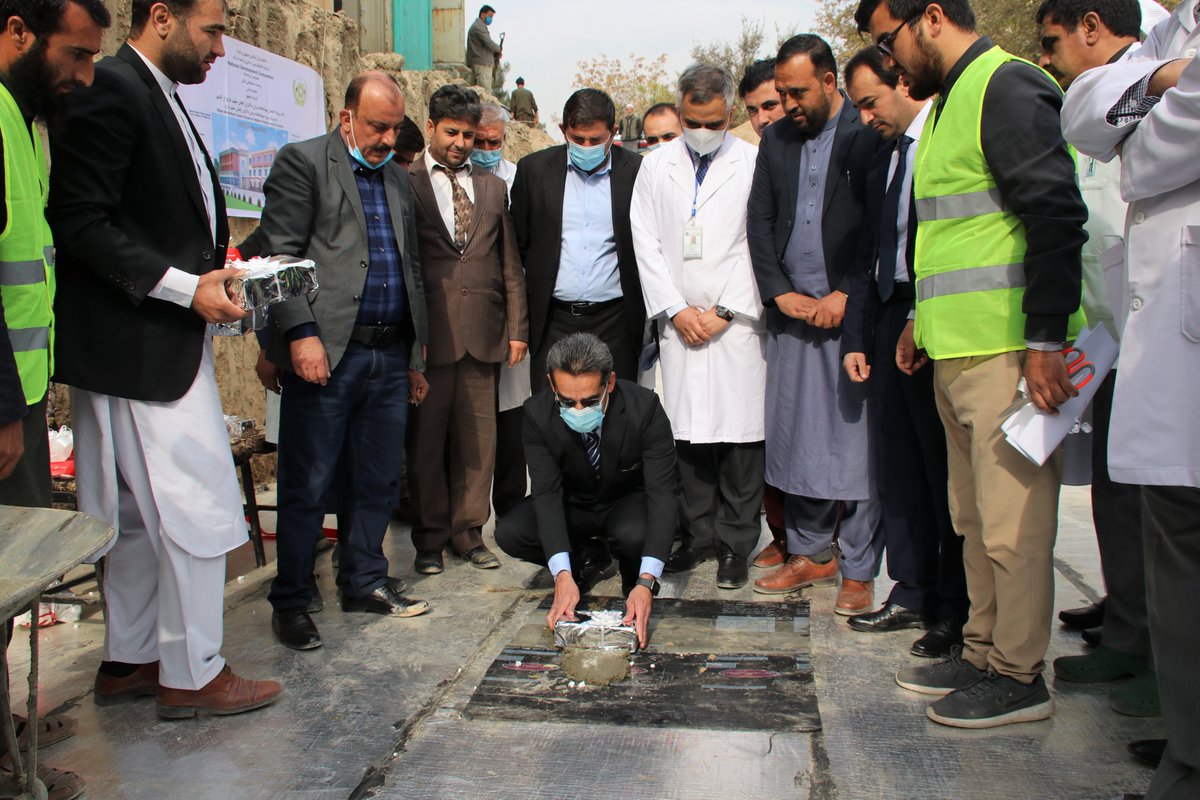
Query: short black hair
<point x="355" y="87"/>
<point x="141" y="11"/>
<point x="587" y="106"/>
<point x="409" y="139"/>
<point x="44" y="17"/>
<point x="485" y="10"/>
<point x="957" y="11"/>
<point x="870" y="58"/>
<point x="455" y="101"/>
<point x="1122" y="17"/>
<point x="660" y="108"/>
<point x="815" y="48"/>
<point x="520" y="81"/>
<point x="756" y="75"/>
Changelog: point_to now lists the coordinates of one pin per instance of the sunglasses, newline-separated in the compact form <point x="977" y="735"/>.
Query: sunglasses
<point x="884" y="45"/>
<point x="587" y="402"/>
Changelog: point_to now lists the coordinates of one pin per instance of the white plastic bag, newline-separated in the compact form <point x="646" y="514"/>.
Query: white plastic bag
<point x="62" y="444"/>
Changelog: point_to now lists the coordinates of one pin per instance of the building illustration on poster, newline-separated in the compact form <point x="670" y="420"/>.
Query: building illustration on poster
<point x="253" y="103"/>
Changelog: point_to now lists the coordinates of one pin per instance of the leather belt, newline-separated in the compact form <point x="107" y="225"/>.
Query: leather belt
<point x="377" y="335"/>
<point x="583" y="309"/>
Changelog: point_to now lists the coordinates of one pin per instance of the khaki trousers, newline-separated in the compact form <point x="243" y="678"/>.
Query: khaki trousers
<point x="1006" y="510"/>
<point x="483" y="75"/>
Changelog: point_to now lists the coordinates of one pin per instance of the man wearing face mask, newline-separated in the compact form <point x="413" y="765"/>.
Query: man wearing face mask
<point x="697" y="278"/>
<point x="483" y="54"/>
<point x="140" y="225"/>
<point x="603" y="478"/>
<point x="805" y="233"/>
<point x="340" y="200"/>
<point x="660" y="125"/>
<point x="477" y="325"/>
<point x="570" y="208"/>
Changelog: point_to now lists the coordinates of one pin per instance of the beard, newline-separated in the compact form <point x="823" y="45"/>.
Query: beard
<point x="816" y="117"/>
<point x="180" y="61"/>
<point x="924" y="79"/>
<point x="33" y="83"/>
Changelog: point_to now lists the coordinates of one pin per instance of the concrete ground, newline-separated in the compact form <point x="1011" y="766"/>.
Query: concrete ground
<point x="378" y="712"/>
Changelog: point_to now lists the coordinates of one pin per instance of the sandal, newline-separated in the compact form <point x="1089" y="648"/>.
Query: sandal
<point x="51" y="729"/>
<point x="60" y="784"/>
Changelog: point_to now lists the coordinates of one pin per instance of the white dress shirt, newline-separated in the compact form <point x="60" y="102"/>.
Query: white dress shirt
<point x="444" y="192"/>
<point x="901" y="221"/>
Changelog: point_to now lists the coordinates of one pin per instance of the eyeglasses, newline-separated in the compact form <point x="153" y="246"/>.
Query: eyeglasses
<point x="587" y="402"/>
<point x="884" y="45"/>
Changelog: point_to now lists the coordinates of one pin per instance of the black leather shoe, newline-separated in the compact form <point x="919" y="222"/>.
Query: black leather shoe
<point x="687" y="558"/>
<point x="891" y="617"/>
<point x="593" y="564"/>
<point x="1147" y="751"/>
<point x="1091" y="636"/>
<point x="294" y="628"/>
<point x="942" y="637"/>
<point x="481" y="558"/>
<point x="428" y="562"/>
<point x="732" y="570"/>
<point x="385" y="600"/>
<point x="398" y="585"/>
<point x="1080" y="619"/>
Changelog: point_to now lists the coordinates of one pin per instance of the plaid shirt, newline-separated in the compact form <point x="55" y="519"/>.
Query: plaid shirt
<point x="1136" y="103"/>
<point x="384" y="296"/>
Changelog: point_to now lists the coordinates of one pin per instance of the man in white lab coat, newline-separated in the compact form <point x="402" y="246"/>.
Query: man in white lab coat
<point x="1146" y="108"/>
<point x="688" y="218"/>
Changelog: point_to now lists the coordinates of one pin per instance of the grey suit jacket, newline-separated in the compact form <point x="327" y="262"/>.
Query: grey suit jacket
<point x="481" y="48"/>
<point x="313" y="210"/>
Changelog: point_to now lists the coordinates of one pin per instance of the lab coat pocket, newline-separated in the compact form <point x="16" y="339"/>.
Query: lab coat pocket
<point x="1189" y="270"/>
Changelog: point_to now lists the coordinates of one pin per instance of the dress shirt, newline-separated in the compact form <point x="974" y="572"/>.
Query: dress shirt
<point x="177" y="286"/>
<point x="562" y="561"/>
<point x="587" y="265"/>
<point x="444" y="192"/>
<point x="902" y="214"/>
<point x="1035" y="173"/>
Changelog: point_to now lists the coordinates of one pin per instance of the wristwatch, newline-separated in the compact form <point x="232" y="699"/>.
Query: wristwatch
<point x="650" y="583"/>
<point x="724" y="313"/>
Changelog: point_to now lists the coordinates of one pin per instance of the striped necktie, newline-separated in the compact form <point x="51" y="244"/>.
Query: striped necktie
<point x="592" y="442"/>
<point x="463" y="208"/>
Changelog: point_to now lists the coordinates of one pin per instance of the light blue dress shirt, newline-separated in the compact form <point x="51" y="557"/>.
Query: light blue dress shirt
<point x="587" y="266"/>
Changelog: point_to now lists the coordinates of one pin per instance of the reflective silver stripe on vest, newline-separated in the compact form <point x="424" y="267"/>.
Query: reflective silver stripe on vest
<point x="48" y="254"/>
<point x="957" y="206"/>
<point x="22" y="273"/>
<point x="26" y="339"/>
<point x="972" y="279"/>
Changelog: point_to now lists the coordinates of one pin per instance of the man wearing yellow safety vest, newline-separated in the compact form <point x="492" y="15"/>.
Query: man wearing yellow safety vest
<point x="999" y="234"/>
<point x="46" y="50"/>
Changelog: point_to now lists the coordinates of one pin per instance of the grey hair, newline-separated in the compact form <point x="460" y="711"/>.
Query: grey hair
<point x="700" y="83"/>
<point x="493" y="113"/>
<point x="580" y="354"/>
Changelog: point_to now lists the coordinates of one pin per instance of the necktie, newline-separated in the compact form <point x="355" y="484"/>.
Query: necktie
<point x="463" y="208"/>
<point x="592" y="442"/>
<point x="702" y="167"/>
<point x="889" y="236"/>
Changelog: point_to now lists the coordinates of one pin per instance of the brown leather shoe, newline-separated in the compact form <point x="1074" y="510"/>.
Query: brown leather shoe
<point x="225" y="694"/>
<point x="772" y="555"/>
<point x="111" y="691"/>
<point x="796" y="573"/>
<point x="855" y="597"/>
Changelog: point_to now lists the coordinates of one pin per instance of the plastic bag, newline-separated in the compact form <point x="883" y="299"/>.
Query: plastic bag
<point x="62" y="444"/>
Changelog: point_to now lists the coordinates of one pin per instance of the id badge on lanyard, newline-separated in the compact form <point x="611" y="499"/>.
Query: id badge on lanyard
<point x="693" y="234"/>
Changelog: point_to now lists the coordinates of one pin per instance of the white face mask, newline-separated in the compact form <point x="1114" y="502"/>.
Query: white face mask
<point x="702" y="140"/>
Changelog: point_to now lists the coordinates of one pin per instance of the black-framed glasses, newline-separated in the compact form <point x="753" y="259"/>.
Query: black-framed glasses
<point x="587" y="402"/>
<point x="884" y="45"/>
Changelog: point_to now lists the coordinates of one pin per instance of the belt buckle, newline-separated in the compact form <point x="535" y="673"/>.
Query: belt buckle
<point x="577" y="309"/>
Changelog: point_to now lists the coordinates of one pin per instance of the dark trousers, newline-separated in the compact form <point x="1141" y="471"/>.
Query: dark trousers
<point x="1171" y="529"/>
<point x="363" y="407"/>
<point x="722" y="494"/>
<point x="509" y="484"/>
<point x="924" y="555"/>
<point x="609" y="324"/>
<point x="1117" y="515"/>
<point x="29" y="484"/>
<point x="619" y="526"/>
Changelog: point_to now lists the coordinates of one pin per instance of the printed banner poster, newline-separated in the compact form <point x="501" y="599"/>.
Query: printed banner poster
<point x="253" y="103"/>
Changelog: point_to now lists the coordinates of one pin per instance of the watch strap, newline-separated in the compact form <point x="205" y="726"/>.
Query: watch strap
<point x="650" y="583"/>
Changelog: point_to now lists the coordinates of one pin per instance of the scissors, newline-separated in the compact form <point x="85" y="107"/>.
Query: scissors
<point x="1077" y="364"/>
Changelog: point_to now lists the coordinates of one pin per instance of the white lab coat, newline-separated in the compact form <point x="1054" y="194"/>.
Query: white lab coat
<point x="1155" y="437"/>
<point x="714" y="392"/>
<point x="514" y="382"/>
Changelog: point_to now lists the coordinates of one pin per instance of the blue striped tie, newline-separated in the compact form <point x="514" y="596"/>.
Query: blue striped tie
<point x="592" y="442"/>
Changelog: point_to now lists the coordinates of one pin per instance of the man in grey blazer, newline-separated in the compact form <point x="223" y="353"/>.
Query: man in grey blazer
<point x="345" y="351"/>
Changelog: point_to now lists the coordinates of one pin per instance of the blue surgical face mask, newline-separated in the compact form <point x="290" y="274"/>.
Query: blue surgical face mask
<point x="488" y="19"/>
<point x="486" y="159"/>
<point x="584" y="420"/>
<point x="586" y="158"/>
<point x="357" y="155"/>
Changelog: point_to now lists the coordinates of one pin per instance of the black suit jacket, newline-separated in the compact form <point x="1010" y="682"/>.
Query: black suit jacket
<point x="537" y="214"/>
<point x="772" y="205"/>
<point x="125" y="205"/>
<point x="637" y="453"/>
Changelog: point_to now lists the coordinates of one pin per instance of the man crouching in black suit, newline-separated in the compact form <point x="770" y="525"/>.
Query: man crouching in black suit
<point x="604" y="479"/>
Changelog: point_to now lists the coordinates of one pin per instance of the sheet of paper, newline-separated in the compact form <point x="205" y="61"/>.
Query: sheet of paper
<point x="1036" y="434"/>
